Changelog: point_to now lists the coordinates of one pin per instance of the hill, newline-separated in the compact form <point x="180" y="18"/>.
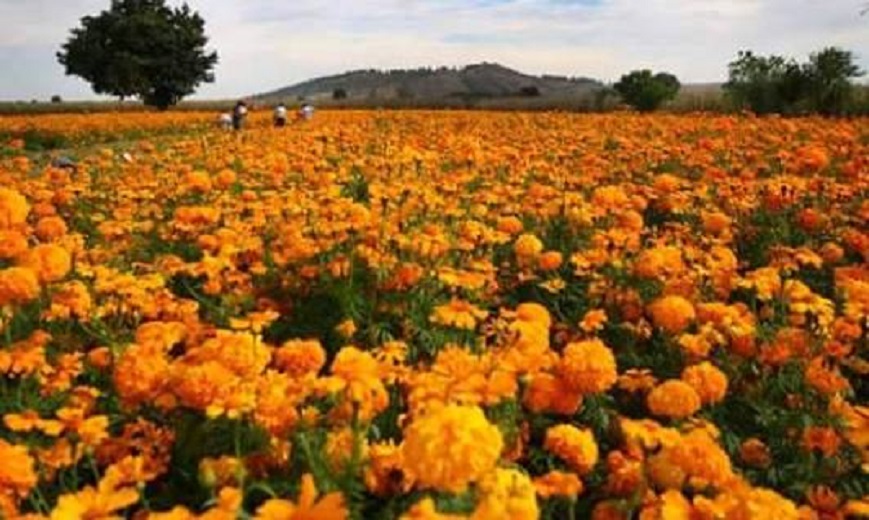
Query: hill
<point x="473" y="84"/>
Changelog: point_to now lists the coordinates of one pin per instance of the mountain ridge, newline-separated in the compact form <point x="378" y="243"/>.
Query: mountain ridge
<point x="480" y="81"/>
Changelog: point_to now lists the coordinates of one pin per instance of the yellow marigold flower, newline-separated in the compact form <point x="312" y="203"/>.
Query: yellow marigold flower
<point x="50" y="262"/>
<point x="425" y="509"/>
<point x="535" y="313"/>
<point x="588" y="367"/>
<point x="674" y="399"/>
<point x="459" y="314"/>
<point x="506" y="494"/>
<point x="707" y="380"/>
<point x="341" y="447"/>
<point x="672" y="313"/>
<point x="558" y="484"/>
<point x="383" y="474"/>
<point x="528" y="246"/>
<point x="18" y="285"/>
<point x="574" y="446"/>
<point x="473" y="449"/>
<point x="346" y="329"/>
<point x="13" y="208"/>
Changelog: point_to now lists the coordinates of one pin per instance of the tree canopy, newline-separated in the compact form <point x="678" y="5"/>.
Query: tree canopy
<point x="141" y="48"/>
<point x="774" y="84"/>
<point x="646" y="91"/>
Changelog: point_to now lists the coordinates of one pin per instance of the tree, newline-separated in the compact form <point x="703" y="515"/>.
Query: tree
<point x="773" y="84"/>
<point x="141" y="48"/>
<point x="646" y="91"/>
<point x="56" y="99"/>
<point x="828" y="74"/>
<point x="765" y="84"/>
<point x="529" y="91"/>
<point x="339" y="93"/>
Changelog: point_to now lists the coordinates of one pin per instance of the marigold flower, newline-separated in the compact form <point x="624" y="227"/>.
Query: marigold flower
<point x="12" y="244"/>
<point x="506" y="493"/>
<point x="18" y="285"/>
<point x="50" y="262"/>
<point x="51" y="228"/>
<point x="576" y="447"/>
<point x="528" y="247"/>
<point x="17" y="473"/>
<point x="674" y="399"/>
<point x="673" y="314"/>
<point x="588" y="367"/>
<point x="707" y="380"/>
<point x="459" y="314"/>
<point x="550" y="260"/>
<point x="558" y="484"/>
<point x="13" y="208"/>
<point x="474" y="448"/>
<point x="299" y="357"/>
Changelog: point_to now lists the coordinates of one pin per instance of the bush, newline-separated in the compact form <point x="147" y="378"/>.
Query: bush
<point x="646" y="91"/>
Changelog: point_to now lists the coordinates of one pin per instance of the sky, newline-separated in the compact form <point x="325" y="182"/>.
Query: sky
<point x="269" y="44"/>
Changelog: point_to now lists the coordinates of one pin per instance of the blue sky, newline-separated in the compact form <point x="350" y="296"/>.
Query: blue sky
<point x="266" y="44"/>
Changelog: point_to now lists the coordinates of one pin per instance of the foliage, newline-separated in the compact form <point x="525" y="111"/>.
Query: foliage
<point x="646" y="91"/>
<point x="773" y="84"/>
<point x="141" y="48"/>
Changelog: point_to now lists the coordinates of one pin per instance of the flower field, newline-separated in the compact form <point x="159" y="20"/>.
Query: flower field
<point x="435" y="315"/>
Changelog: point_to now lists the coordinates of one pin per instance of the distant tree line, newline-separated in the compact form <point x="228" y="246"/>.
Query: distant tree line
<point x="774" y="84"/>
<point x="766" y="85"/>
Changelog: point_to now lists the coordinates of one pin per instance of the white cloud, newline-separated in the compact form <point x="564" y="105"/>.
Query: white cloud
<point x="265" y="44"/>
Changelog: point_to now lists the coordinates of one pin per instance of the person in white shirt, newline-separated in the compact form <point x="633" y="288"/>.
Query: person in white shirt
<point x="306" y="112"/>
<point x="239" y="114"/>
<point x="281" y="116"/>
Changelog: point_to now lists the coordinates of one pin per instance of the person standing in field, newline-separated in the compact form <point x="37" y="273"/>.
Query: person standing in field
<point x="239" y="114"/>
<point x="306" y="112"/>
<point x="281" y="115"/>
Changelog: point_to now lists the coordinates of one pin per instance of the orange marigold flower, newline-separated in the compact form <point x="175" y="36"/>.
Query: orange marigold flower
<point x="574" y="446"/>
<point x="298" y="357"/>
<point x="473" y="450"/>
<point x="588" y="367"/>
<point x="17" y="473"/>
<point x="50" y="228"/>
<point x="330" y="506"/>
<point x="18" y="285"/>
<point x="673" y="314"/>
<point x="755" y="453"/>
<point x="674" y="399"/>
<point x="558" y="484"/>
<point x="13" y="208"/>
<point x="50" y="262"/>
<point x="824" y="439"/>
<point x="708" y="381"/>
<point x="550" y="260"/>
<point x="12" y="244"/>
<point x="548" y="393"/>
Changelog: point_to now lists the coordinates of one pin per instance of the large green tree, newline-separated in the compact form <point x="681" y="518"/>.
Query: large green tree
<point x="646" y="91"/>
<point x="829" y="73"/>
<point x="141" y="48"/>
